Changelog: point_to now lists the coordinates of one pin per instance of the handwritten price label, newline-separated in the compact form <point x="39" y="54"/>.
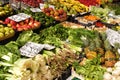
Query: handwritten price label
<point x="31" y="49"/>
<point x="19" y="17"/>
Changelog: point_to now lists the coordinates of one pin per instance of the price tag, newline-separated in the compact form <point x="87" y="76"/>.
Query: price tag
<point x="52" y="6"/>
<point x="48" y="47"/>
<point x="113" y="36"/>
<point x="35" y="9"/>
<point x="31" y="49"/>
<point x="19" y="17"/>
<point x="119" y="51"/>
<point x="41" y="6"/>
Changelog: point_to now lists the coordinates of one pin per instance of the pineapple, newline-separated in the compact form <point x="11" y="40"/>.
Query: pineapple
<point x="110" y="58"/>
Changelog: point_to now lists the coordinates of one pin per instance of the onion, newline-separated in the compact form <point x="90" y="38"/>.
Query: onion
<point x="107" y="76"/>
<point x="117" y="64"/>
<point x="109" y="69"/>
<point x="116" y="72"/>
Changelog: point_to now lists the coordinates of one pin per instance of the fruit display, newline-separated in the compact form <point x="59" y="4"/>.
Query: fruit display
<point x="45" y="20"/>
<point x="5" y="10"/>
<point x="59" y="15"/>
<point x="32" y="3"/>
<point x="90" y="2"/>
<point x="70" y="6"/>
<point x="27" y="24"/>
<point x="6" y="32"/>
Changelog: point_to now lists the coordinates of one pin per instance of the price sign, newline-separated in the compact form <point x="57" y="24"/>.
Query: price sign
<point x="48" y="47"/>
<point x="42" y="6"/>
<point x="113" y="36"/>
<point x="31" y="49"/>
<point x="19" y="17"/>
<point x="35" y="9"/>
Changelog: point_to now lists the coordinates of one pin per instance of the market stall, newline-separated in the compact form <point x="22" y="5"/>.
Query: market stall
<point x="59" y="40"/>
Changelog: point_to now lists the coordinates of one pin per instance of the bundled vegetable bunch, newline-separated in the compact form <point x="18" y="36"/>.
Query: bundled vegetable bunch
<point x="9" y="53"/>
<point x="31" y="68"/>
<point x="61" y="60"/>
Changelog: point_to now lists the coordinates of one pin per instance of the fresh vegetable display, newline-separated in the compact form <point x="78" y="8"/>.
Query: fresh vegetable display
<point x="66" y="40"/>
<point x="91" y="70"/>
<point x="27" y="24"/>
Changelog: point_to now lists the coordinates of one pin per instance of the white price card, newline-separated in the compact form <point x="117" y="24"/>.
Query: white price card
<point x="42" y="6"/>
<point x="31" y="49"/>
<point x="48" y="47"/>
<point x="35" y="9"/>
<point x="113" y="36"/>
<point x="19" y="17"/>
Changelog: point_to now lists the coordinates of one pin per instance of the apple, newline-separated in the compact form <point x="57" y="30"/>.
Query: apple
<point x="7" y="33"/>
<point x="12" y="22"/>
<point x="7" y="20"/>
<point x="21" y="23"/>
<point x="6" y="29"/>
<point x="12" y="31"/>
<point x="9" y="25"/>
<point x="61" y="11"/>
<point x="37" y="24"/>
<point x="51" y="9"/>
<point x="31" y="23"/>
<point x="18" y="25"/>
<point x="2" y="30"/>
<point x="56" y="13"/>
<point x="51" y="12"/>
<point x="19" y="29"/>
<point x="27" y="21"/>
<point x="57" y="17"/>
<point x="1" y="35"/>
<point x="48" y="14"/>
<point x="14" y="27"/>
